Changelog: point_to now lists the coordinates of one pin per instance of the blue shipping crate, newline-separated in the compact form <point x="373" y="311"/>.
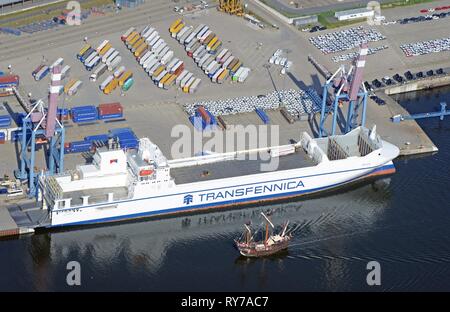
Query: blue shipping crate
<point x="110" y="116"/>
<point x="98" y="137"/>
<point x="262" y="115"/>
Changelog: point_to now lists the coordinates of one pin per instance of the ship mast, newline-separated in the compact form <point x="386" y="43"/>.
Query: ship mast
<point x="267" y="227"/>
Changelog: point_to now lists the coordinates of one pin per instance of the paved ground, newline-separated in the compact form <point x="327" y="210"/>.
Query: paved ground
<point x="153" y="112"/>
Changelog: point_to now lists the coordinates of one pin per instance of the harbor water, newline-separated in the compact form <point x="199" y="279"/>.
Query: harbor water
<point x="403" y="222"/>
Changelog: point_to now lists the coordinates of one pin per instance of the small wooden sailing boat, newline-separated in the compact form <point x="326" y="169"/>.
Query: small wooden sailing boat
<point x="272" y="243"/>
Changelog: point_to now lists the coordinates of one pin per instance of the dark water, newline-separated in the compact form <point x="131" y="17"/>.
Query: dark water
<point x="402" y="222"/>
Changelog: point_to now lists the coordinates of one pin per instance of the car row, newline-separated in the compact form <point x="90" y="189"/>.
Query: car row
<point x="353" y="55"/>
<point x="426" y="47"/>
<point x="346" y="39"/>
<point x="397" y="78"/>
<point x="423" y="18"/>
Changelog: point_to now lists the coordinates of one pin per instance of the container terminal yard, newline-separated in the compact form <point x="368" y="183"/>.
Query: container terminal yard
<point x="152" y="110"/>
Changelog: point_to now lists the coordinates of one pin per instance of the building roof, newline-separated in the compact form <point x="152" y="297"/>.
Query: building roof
<point x="351" y="12"/>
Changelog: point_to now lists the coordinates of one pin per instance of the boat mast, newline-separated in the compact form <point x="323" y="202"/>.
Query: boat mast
<point x="267" y="227"/>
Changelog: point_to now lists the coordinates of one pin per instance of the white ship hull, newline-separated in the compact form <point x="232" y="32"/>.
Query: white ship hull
<point x="147" y="201"/>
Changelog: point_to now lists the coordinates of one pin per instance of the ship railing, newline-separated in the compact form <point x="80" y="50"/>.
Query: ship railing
<point x="311" y="148"/>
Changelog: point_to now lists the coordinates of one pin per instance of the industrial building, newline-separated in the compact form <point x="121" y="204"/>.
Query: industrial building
<point x="354" y="14"/>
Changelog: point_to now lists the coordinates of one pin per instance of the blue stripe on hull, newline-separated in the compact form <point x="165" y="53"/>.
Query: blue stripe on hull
<point x="218" y="205"/>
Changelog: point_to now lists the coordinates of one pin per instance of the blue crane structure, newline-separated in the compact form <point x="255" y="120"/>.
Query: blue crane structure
<point x="42" y="127"/>
<point x="345" y="86"/>
<point x="441" y="114"/>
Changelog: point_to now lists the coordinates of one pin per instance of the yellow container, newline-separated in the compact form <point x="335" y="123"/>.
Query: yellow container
<point x="158" y="71"/>
<point x="216" y="45"/>
<point x="105" y="49"/>
<point x="164" y="79"/>
<point x="170" y="81"/>
<point x="137" y="44"/>
<point x="124" y="77"/>
<point x="84" y="49"/>
<point x="177" y="29"/>
<point x="131" y="36"/>
<point x="236" y="67"/>
<point x="174" y="24"/>
<point x="212" y="42"/>
<point x="223" y="75"/>
<point x="69" y="85"/>
<point x="111" y="86"/>
<point x="140" y="49"/>
<point x="133" y="41"/>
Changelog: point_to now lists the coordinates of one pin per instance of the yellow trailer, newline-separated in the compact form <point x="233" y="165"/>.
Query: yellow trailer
<point x="175" y="24"/>
<point x="158" y="71"/>
<point x="177" y="29"/>
<point x="69" y="85"/>
<point x="236" y="67"/>
<point x="135" y="42"/>
<point x="84" y="49"/>
<point x="131" y="36"/>
<point x="140" y="49"/>
<point x="110" y="86"/>
<point x="105" y="49"/>
<point x="124" y="77"/>
<point x="163" y="80"/>
<point x="170" y="81"/>
<point x="222" y="75"/>
<point x="216" y="46"/>
<point x="211" y="43"/>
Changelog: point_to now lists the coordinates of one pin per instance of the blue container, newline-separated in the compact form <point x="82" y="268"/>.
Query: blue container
<point x="2" y="135"/>
<point x="63" y="111"/>
<point x="2" y="73"/>
<point x="262" y="115"/>
<point x="116" y="131"/>
<point x="98" y="137"/>
<point x="83" y="108"/>
<point x="110" y="116"/>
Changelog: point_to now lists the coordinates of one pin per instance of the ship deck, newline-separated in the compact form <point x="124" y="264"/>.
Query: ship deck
<point x="96" y="196"/>
<point x="236" y="168"/>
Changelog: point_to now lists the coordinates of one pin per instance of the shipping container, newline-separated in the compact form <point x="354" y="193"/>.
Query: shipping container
<point x="186" y="79"/>
<point x="83" y="50"/>
<point x="215" y="47"/>
<point x="200" y="55"/>
<point x="243" y="76"/>
<point x="201" y="111"/>
<point x="86" y="55"/>
<point x="163" y="52"/>
<point x="203" y="60"/>
<point x="204" y="36"/>
<point x="154" y="41"/>
<point x="160" y="76"/>
<point x="178" y="70"/>
<point x="102" y="45"/>
<point x="115" y="63"/>
<point x="194" y="86"/>
<point x="108" y="54"/>
<point x="93" y="63"/>
<point x="140" y="49"/>
<point x="192" y="46"/>
<point x="69" y="85"/>
<point x="198" y="51"/>
<point x="210" y="67"/>
<point x="262" y="115"/>
<point x="74" y="89"/>
<point x="189" y="38"/>
<point x="112" y="57"/>
<point x="37" y="69"/>
<point x="228" y="61"/>
<point x="188" y="84"/>
<point x="133" y="41"/>
<point x="9" y="81"/>
<point x="225" y="57"/>
<point x="158" y="71"/>
<point x="105" y="49"/>
<point x="160" y="48"/>
<point x="148" y="33"/>
<point x="106" y="82"/>
<point x="151" y="69"/>
<point x="119" y="71"/>
<point x="90" y="58"/>
<point x="127" y="33"/>
<point x="145" y="57"/>
<point x="202" y="32"/>
<point x="141" y="55"/>
<point x="65" y="71"/>
<point x="5" y="121"/>
<point x="232" y="63"/>
<point x="235" y="76"/>
<point x="167" y="57"/>
<point x="221" y="54"/>
<point x="124" y="77"/>
<point x="111" y="86"/>
<point x="131" y="37"/>
<point x="185" y="36"/>
<point x="215" y="76"/>
<point x="59" y="61"/>
<point x="127" y="85"/>
<point x="98" y="72"/>
<point x="209" y="38"/>
<point x="176" y="30"/>
<point x="235" y="68"/>
<point x="222" y="76"/>
<point x="174" y="25"/>
<point x="97" y="138"/>
<point x="144" y="30"/>
<point x="109" y="108"/>
<point x="198" y="29"/>
<point x="136" y="45"/>
<point x="150" y="62"/>
<point x="163" y="80"/>
<point x="151" y="37"/>
<point x="157" y="44"/>
<point x="169" y="82"/>
<point x="172" y="63"/>
<point x="182" y="32"/>
<point x="42" y="73"/>
<point x="214" y="70"/>
<point x="181" y="76"/>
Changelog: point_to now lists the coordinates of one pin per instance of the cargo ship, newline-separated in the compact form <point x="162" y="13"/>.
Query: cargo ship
<point x="123" y="184"/>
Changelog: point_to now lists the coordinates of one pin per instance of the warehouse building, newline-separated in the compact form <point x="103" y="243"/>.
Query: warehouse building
<point x="15" y="5"/>
<point x="354" y="14"/>
<point x="304" y="20"/>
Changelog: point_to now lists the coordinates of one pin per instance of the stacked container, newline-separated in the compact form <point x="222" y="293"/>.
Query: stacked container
<point x="84" y="113"/>
<point x="5" y="121"/>
<point x="110" y="111"/>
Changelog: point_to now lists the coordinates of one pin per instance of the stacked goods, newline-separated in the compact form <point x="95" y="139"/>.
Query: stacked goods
<point x="105" y="53"/>
<point x="125" y="137"/>
<point x="202" y="45"/>
<point x="110" y="111"/>
<point x="5" y="121"/>
<point x="155" y="56"/>
<point x="84" y="113"/>
<point x="77" y="147"/>
<point x="9" y="81"/>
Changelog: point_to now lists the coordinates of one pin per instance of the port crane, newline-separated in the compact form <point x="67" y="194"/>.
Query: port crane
<point x="41" y="127"/>
<point x="345" y="86"/>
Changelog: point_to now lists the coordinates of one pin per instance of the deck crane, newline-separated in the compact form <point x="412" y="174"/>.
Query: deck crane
<point x="345" y="87"/>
